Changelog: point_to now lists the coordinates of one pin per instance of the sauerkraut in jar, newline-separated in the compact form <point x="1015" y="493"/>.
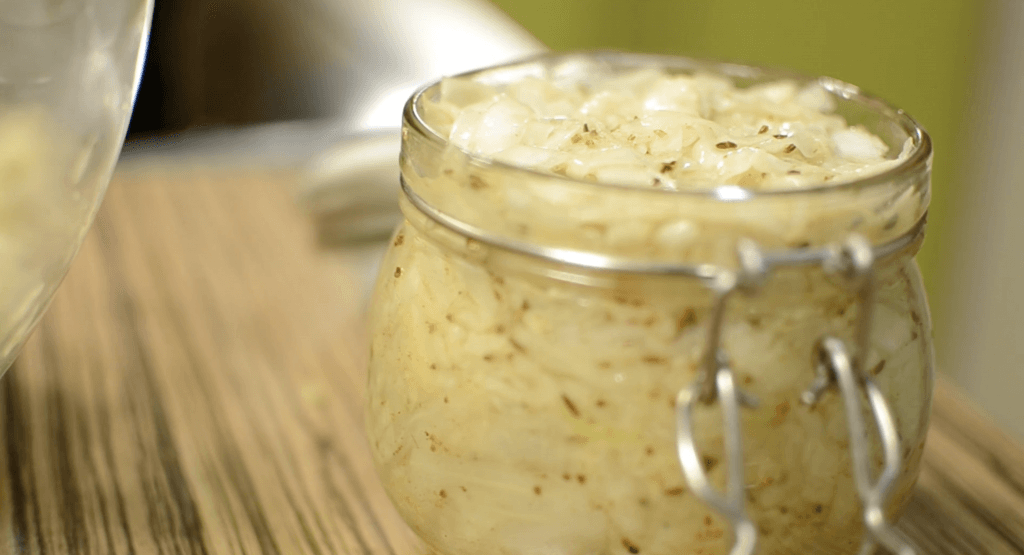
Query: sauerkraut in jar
<point x="541" y="305"/>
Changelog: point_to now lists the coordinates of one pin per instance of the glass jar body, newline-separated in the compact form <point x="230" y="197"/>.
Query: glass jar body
<point x="517" y="406"/>
<point x="531" y="332"/>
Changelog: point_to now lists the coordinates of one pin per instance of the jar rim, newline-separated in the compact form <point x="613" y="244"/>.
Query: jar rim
<point x="918" y="162"/>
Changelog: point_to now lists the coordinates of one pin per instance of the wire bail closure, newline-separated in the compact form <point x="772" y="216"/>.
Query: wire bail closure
<point x="854" y="260"/>
<point x="834" y="366"/>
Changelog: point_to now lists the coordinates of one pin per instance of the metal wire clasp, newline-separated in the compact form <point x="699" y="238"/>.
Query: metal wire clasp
<point x="717" y="382"/>
<point x="835" y="366"/>
<point x="854" y="260"/>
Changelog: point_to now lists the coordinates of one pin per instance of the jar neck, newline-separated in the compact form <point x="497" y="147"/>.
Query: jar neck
<point x="456" y="235"/>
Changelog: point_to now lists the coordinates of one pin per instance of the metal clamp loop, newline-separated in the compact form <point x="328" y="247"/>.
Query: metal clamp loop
<point x="835" y="367"/>
<point x="732" y="504"/>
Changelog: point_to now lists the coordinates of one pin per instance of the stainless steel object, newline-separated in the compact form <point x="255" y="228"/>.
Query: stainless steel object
<point x="390" y="48"/>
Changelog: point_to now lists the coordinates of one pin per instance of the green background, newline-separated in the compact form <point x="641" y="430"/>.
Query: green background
<point x="917" y="54"/>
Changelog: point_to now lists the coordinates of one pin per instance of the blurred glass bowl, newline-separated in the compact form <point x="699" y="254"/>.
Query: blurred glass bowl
<point x="69" y="70"/>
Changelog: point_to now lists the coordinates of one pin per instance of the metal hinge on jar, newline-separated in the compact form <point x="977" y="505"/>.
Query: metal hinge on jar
<point x="854" y="260"/>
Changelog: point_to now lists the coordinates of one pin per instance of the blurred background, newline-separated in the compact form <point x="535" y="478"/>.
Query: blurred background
<point x="955" y="65"/>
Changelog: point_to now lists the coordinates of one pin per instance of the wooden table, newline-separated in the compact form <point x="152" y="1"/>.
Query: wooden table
<point x="196" y="388"/>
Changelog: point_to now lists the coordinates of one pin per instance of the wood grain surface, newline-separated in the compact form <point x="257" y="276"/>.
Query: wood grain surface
<point x="196" y="388"/>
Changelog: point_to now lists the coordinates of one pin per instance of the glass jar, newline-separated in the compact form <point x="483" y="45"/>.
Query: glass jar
<point x="531" y="334"/>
